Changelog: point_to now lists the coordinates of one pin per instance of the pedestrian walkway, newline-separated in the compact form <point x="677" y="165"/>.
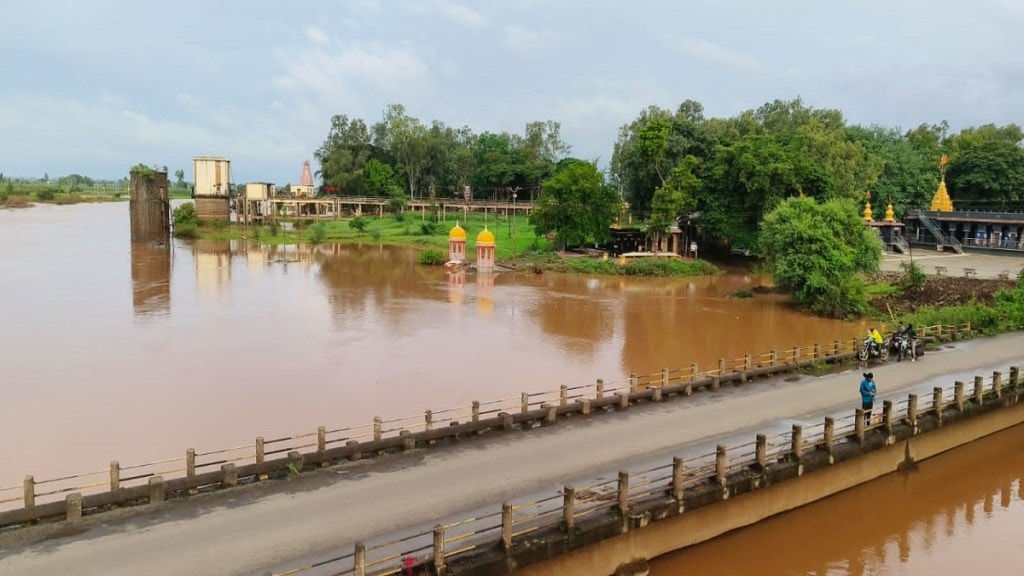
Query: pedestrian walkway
<point x="934" y="263"/>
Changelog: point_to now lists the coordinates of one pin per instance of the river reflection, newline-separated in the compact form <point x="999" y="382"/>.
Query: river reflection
<point x="959" y="513"/>
<point x="140" y="351"/>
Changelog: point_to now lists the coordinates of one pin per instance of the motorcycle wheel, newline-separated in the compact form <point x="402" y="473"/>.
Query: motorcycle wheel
<point x="884" y="354"/>
<point x="862" y="354"/>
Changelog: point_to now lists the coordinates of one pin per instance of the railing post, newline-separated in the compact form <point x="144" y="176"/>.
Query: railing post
<point x="157" y="492"/>
<point x="439" y="567"/>
<point x="359" y="560"/>
<point x="30" y="491"/>
<point x="887" y="417"/>
<point x="115" y="476"/>
<point x="664" y="377"/>
<point x="837" y="347"/>
<point x="623" y="497"/>
<point x="796" y="354"/>
<point x="937" y="403"/>
<point x="476" y="410"/>
<point x="321" y="444"/>
<point x="912" y="412"/>
<point x="747" y="362"/>
<point x="830" y="434"/>
<point x="817" y="351"/>
<point x="634" y="382"/>
<point x="569" y="508"/>
<point x="997" y="384"/>
<point x="721" y="464"/>
<point x="378" y="428"/>
<point x="563" y="395"/>
<point x="600" y="388"/>
<point x="958" y="395"/>
<point x="858" y="424"/>
<point x="260" y="457"/>
<point x="428" y="420"/>
<point x="73" y="507"/>
<point x="979" y="390"/>
<point x="190" y="470"/>
<point x="797" y="446"/>
<point x="677" y="481"/>
<point x="506" y="527"/>
<point x="721" y="366"/>
<point x="524" y="402"/>
<point x="761" y="451"/>
<point x="694" y="371"/>
<point x="1014" y="376"/>
<point x="774" y="357"/>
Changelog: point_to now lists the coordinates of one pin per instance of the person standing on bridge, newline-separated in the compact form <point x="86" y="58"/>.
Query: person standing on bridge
<point x="867" y="396"/>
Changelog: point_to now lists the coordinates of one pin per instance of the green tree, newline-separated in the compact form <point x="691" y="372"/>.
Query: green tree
<point x="406" y="139"/>
<point x="817" y="251"/>
<point x="380" y="180"/>
<point x="989" y="175"/>
<point x="344" y="154"/>
<point x="576" y="204"/>
<point x="179" y="178"/>
<point x="676" y="195"/>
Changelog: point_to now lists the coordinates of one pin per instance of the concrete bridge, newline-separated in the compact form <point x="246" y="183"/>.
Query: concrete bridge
<point x="274" y="527"/>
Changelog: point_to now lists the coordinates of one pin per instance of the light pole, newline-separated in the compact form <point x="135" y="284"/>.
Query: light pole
<point x="514" y="194"/>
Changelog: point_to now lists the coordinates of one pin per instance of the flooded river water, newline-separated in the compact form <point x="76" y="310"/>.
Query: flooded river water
<point x="120" y="352"/>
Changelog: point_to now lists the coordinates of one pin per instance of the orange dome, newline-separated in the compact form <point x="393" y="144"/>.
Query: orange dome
<point x="457" y="233"/>
<point x="485" y="238"/>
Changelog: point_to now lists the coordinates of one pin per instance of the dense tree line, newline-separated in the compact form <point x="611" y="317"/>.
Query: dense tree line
<point x="725" y="174"/>
<point x="733" y="171"/>
<point x="400" y="156"/>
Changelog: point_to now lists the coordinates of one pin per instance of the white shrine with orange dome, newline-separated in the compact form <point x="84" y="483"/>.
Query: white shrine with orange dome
<point x="457" y="246"/>
<point x="485" y="250"/>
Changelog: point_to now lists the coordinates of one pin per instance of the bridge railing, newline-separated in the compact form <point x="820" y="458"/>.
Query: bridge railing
<point x="253" y="459"/>
<point x="622" y="495"/>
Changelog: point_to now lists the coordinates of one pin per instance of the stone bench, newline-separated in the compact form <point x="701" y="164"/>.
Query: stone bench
<point x="970" y="273"/>
<point x="940" y="270"/>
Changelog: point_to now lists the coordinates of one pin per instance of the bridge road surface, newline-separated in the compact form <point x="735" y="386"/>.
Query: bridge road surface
<point x="277" y="525"/>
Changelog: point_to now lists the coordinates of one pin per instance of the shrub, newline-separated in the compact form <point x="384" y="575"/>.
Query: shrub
<point x="432" y="257"/>
<point x="45" y="195"/>
<point x="317" y="233"/>
<point x="428" y="228"/>
<point x="915" y="275"/>
<point x="359" y="224"/>
<point x="983" y="319"/>
<point x="187" y="230"/>
<point x="742" y="293"/>
<point x="185" y="214"/>
<point x="375" y="234"/>
<point x="64" y="199"/>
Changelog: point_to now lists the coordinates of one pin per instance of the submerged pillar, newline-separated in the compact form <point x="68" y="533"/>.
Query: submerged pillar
<point x="149" y="206"/>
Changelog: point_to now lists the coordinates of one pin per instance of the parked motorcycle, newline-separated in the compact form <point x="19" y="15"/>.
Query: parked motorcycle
<point x="869" y="350"/>
<point x="901" y="345"/>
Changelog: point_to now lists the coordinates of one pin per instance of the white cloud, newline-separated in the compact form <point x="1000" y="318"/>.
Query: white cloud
<point x="317" y="36"/>
<point x="461" y="14"/>
<point x="527" y="42"/>
<point x="711" y="53"/>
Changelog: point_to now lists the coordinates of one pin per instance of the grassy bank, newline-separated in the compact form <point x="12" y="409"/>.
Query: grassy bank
<point x="517" y="243"/>
<point x="24" y="194"/>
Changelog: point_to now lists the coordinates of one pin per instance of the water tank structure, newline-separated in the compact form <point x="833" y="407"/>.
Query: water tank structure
<point x="212" y="191"/>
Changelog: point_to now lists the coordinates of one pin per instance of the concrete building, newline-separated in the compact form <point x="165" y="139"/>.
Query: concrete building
<point x="212" y="188"/>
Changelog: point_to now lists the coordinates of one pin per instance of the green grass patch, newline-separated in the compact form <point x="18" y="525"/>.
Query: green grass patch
<point x="882" y="289"/>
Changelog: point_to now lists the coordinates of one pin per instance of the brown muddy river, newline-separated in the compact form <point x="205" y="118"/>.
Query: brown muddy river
<point x="960" y="513"/>
<point x="133" y="353"/>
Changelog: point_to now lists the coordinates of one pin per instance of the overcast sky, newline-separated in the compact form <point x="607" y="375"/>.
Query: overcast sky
<point x="96" y="86"/>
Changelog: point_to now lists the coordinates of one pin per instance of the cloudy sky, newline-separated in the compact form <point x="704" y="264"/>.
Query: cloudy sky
<point x="94" y="87"/>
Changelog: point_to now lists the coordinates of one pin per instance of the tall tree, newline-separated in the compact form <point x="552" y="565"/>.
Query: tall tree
<point x="406" y="139"/>
<point x="576" y="204"/>
<point x="344" y="154"/>
<point x="988" y="176"/>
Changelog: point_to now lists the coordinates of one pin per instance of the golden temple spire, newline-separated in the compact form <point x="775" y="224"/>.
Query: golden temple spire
<point x="867" y="207"/>
<point x="890" y="216"/>
<point x="941" y="202"/>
